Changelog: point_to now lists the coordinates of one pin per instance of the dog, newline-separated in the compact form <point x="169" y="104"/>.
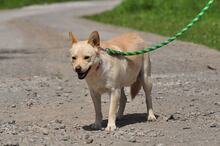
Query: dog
<point x="110" y="74"/>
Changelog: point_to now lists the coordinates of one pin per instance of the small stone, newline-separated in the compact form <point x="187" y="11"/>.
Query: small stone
<point x="110" y="143"/>
<point x="153" y="135"/>
<point x="60" y="102"/>
<point x="86" y="136"/>
<point x="11" y="122"/>
<point x="58" y="94"/>
<point x="132" y="128"/>
<point x="217" y="103"/>
<point x="173" y="117"/>
<point x="88" y="141"/>
<point x="209" y="113"/>
<point x="213" y="125"/>
<point x="132" y="139"/>
<point x="35" y="94"/>
<point x="30" y="103"/>
<point x="140" y="133"/>
<point x="66" y="94"/>
<point x="13" y="106"/>
<point x="45" y="131"/>
<point x="211" y="67"/>
<point x="132" y="133"/>
<point x="184" y="128"/>
<point x="159" y="144"/>
<point x="159" y="97"/>
<point x="62" y="126"/>
<point x="14" y="132"/>
<point x="58" y="121"/>
<point x="66" y="138"/>
<point x="121" y="132"/>
<point x="56" y="128"/>
<point x="28" y="89"/>
<point x="59" y="88"/>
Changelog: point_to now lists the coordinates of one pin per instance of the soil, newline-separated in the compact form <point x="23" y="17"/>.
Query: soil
<point x="42" y="102"/>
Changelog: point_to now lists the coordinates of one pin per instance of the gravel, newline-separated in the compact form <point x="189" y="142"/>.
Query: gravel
<point x="42" y="102"/>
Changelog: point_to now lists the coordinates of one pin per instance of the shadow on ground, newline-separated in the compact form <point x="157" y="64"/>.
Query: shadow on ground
<point x="128" y="119"/>
<point x="6" y="54"/>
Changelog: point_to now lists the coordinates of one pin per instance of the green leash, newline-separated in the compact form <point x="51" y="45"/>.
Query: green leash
<point x="164" y="43"/>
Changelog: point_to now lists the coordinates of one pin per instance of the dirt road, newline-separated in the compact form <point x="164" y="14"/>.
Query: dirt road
<point x="43" y="103"/>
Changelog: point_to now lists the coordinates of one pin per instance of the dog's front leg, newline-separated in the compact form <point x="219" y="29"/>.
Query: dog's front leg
<point x="96" y="98"/>
<point x="115" y="97"/>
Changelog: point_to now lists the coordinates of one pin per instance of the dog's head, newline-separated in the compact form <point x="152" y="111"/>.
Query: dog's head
<point x="84" y="54"/>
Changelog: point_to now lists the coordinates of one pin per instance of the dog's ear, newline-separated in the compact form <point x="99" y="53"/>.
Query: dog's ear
<point x="73" y="38"/>
<point x="94" y="39"/>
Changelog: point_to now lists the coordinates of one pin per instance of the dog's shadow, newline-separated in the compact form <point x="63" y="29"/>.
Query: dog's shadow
<point x="128" y="119"/>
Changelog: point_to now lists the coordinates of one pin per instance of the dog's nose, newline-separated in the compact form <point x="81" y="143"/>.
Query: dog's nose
<point x="78" y="69"/>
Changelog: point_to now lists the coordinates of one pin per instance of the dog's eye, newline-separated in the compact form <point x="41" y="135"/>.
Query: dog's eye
<point x="73" y="58"/>
<point x="86" y="57"/>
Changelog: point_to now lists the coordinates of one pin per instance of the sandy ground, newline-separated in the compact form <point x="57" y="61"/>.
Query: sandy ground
<point x="42" y="103"/>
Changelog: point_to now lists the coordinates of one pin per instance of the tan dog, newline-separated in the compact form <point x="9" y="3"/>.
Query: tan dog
<point x="110" y="74"/>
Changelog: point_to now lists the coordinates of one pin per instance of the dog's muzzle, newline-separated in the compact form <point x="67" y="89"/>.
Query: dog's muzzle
<point x="82" y="75"/>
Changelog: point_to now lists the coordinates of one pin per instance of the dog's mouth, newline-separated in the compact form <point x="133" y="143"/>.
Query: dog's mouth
<point x="82" y="75"/>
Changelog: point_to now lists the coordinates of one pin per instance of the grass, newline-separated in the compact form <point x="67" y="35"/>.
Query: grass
<point x="166" y="17"/>
<point x="9" y="4"/>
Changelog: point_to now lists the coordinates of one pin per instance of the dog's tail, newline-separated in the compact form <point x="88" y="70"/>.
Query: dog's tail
<point x="135" y="88"/>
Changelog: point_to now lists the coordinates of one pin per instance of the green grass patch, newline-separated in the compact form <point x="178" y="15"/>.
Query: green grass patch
<point x="166" y="17"/>
<point x="9" y="4"/>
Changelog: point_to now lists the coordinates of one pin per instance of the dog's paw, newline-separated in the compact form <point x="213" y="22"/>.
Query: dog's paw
<point x="96" y="126"/>
<point x="151" y="117"/>
<point x="110" y="128"/>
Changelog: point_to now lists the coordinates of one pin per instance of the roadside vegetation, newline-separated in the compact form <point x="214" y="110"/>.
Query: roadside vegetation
<point x="166" y="17"/>
<point x="8" y="4"/>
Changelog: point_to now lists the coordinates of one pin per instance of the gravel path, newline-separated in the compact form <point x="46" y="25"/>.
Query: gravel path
<point x="43" y="103"/>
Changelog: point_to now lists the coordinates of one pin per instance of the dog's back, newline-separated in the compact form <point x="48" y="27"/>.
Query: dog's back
<point x="126" y="42"/>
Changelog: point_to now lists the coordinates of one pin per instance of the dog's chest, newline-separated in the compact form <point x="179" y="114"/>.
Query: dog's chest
<point x="114" y="73"/>
<point x="98" y="84"/>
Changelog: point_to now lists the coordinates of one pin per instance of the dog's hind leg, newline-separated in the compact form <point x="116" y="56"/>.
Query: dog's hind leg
<point x="147" y="86"/>
<point x="122" y="104"/>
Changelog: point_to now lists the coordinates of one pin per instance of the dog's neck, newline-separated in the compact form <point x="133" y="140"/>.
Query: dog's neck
<point x="99" y="67"/>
